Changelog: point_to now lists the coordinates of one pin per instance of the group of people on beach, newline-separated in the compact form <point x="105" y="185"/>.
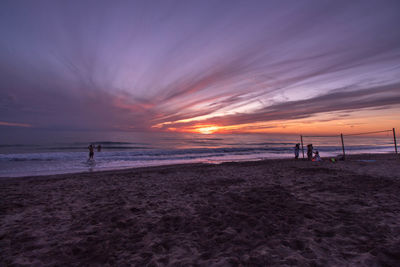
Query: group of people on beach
<point x="91" y="148"/>
<point x="310" y="152"/>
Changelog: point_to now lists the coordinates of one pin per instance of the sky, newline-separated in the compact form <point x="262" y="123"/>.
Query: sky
<point x="285" y="67"/>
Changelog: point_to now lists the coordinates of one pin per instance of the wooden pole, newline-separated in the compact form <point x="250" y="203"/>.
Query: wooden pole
<point x="302" y="147"/>
<point x="344" y="154"/>
<point x="394" y="139"/>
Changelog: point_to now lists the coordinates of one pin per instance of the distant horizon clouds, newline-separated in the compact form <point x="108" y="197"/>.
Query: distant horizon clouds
<point x="199" y="66"/>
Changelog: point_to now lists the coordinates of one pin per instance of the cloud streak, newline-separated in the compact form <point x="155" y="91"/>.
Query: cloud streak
<point x="371" y="98"/>
<point x="129" y="66"/>
<point x="14" y="124"/>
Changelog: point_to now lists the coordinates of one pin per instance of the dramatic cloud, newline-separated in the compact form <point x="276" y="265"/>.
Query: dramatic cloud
<point x="375" y="98"/>
<point x="162" y="65"/>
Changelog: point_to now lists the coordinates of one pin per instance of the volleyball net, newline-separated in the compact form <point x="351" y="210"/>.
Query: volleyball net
<point x="351" y="143"/>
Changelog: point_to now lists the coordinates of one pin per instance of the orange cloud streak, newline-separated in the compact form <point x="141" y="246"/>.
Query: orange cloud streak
<point x="15" y="124"/>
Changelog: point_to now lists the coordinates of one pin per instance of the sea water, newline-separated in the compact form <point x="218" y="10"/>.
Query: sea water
<point x="68" y="157"/>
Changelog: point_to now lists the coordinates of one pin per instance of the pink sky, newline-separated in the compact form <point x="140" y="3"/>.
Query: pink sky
<point x="201" y="66"/>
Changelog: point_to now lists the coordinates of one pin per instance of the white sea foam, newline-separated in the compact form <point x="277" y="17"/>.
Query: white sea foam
<point x="69" y="158"/>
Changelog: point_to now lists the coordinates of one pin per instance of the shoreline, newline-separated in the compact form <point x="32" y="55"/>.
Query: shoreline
<point x="272" y="212"/>
<point x="348" y="157"/>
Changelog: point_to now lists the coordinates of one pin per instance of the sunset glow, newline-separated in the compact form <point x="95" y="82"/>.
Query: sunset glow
<point x="205" y="68"/>
<point x="208" y="130"/>
<point x="207" y="133"/>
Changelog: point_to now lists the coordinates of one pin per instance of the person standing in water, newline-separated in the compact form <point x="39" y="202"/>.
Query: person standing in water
<point x="98" y="148"/>
<point x="91" y="151"/>
<point x="296" y="151"/>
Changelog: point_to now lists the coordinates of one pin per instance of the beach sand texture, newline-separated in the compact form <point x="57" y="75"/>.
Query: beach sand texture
<point x="274" y="212"/>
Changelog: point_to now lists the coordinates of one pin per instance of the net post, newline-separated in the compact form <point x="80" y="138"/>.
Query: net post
<point x="344" y="154"/>
<point x="394" y="139"/>
<point x="302" y="147"/>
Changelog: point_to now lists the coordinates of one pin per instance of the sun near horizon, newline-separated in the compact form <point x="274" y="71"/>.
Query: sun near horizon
<point x="199" y="133"/>
<point x="296" y="127"/>
<point x="197" y="68"/>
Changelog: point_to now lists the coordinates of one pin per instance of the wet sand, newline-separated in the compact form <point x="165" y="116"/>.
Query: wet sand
<point x="273" y="212"/>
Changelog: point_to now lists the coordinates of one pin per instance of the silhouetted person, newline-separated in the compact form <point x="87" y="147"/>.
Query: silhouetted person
<point x="317" y="157"/>
<point x="91" y="151"/>
<point x="309" y="151"/>
<point x="296" y="151"/>
<point x="98" y="148"/>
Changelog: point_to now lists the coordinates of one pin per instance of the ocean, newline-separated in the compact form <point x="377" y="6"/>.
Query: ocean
<point x="18" y="160"/>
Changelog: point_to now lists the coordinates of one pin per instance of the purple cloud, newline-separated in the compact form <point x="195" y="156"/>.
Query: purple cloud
<point x="128" y="66"/>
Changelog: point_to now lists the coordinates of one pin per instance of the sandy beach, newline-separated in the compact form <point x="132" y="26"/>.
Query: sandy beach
<point x="263" y="213"/>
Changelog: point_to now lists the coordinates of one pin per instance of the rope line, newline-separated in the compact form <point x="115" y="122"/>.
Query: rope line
<point x="368" y="133"/>
<point x="320" y="135"/>
<point x="347" y="134"/>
